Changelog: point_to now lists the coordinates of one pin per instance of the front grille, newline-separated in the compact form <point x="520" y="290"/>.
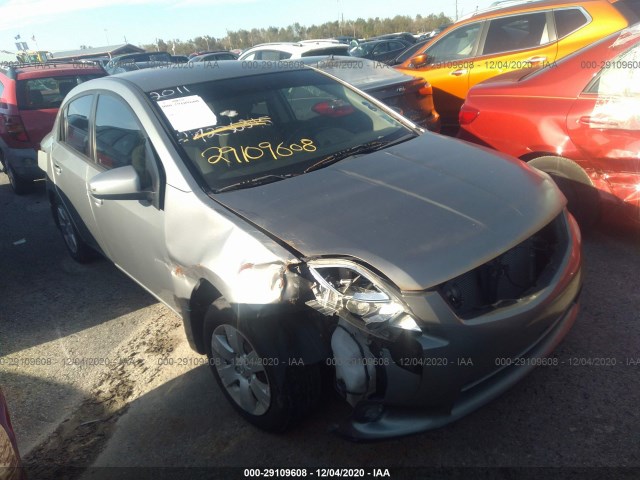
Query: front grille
<point x="517" y="273"/>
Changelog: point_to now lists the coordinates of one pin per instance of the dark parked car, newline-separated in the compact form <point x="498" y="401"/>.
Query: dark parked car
<point x="408" y="95"/>
<point x="29" y="99"/>
<point x="179" y="58"/>
<point x="310" y="237"/>
<point x="406" y="36"/>
<point x="577" y="120"/>
<point x="214" y="56"/>
<point x="408" y="53"/>
<point x="379" y="50"/>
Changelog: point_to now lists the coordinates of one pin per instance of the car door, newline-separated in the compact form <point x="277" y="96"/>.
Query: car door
<point x="132" y="230"/>
<point x="72" y="165"/>
<point x="515" y="42"/>
<point x="604" y="122"/>
<point x="395" y="49"/>
<point x="447" y="69"/>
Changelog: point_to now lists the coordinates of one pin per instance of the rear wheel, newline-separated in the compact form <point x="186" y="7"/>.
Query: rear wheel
<point x="254" y="375"/>
<point x="583" y="199"/>
<point x="77" y="248"/>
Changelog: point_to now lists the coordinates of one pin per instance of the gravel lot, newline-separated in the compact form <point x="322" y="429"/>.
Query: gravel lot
<point x="139" y="411"/>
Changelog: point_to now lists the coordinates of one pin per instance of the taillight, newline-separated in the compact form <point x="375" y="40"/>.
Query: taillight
<point x="467" y="114"/>
<point x="335" y="108"/>
<point x="14" y="128"/>
<point x="426" y="90"/>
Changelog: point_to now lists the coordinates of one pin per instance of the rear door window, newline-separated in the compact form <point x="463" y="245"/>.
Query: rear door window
<point x="517" y="32"/>
<point x="76" y="124"/>
<point x="569" y="20"/>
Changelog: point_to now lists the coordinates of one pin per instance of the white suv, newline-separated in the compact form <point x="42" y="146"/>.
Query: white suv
<point x="286" y="50"/>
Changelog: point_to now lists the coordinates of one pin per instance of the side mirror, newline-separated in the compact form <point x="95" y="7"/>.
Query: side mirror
<point x="420" y="61"/>
<point x="122" y="183"/>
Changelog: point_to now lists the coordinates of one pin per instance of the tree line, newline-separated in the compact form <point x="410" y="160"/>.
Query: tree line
<point x="360" y="28"/>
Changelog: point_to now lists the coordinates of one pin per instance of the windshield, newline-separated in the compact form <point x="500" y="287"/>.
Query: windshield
<point x="274" y="124"/>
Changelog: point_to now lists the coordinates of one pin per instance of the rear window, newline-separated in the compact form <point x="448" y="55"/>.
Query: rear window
<point x="569" y="20"/>
<point x="337" y="50"/>
<point x="47" y="92"/>
<point x="630" y="9"/>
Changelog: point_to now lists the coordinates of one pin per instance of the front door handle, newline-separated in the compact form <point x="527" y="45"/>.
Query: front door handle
<point x="459" y="72"/>
<point x="57" y="168"/>
<point x="598" y="122"/>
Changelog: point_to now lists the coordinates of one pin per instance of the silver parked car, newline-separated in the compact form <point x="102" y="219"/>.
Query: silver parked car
<point x="304" y="232"/>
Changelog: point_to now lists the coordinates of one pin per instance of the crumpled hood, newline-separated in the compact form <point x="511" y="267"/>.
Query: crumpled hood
<point x="421" y="212"/>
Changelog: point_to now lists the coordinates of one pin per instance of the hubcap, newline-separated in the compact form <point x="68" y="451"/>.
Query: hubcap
<point x="67" y="229"/>
<point x="241" y="370"/>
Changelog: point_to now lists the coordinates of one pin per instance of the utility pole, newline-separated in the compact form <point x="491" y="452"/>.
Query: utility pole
<point x="456" y="10"/>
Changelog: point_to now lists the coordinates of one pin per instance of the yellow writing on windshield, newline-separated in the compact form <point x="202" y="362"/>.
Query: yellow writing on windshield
<point x="244" y="154"/>
<point x="234" y="127"/>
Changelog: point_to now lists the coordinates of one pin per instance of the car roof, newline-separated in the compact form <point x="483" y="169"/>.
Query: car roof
<point x="305" y="45"/>
<point x="174" y="75"/>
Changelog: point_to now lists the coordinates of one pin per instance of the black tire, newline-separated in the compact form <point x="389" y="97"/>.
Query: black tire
<point x="19" y="186"/>
<point x="583" y="199"/>
<point x="293" y="390"/>
<point x="76" y="246"/>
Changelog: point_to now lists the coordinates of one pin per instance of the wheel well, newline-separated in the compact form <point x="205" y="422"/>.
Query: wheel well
<point x="202" y="296"/>
<point x="530" y="156"/>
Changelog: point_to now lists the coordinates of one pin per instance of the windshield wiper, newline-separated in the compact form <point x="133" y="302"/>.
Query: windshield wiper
<point x="253" y="182"/>
<point x="357" y="150"/>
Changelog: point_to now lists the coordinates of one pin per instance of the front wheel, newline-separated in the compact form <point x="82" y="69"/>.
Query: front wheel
<point x="252" y="371"/>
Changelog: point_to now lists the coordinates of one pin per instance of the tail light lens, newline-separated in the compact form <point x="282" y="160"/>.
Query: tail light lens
<point x="467" y="114"/>
<point x="15" y="129"/>
<point x="426" y="90"/>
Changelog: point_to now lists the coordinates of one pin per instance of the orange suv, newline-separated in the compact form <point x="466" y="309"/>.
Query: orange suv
<point x="510" y="36"/>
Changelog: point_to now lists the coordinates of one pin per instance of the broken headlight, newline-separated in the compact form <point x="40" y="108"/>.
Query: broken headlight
<point x="347" y="289"/>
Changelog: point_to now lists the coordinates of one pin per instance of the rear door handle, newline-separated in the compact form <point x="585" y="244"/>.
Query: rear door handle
<point x="537" y="59"/>
<point x="57" y="168"/>
<point x="587" y="120"/>
<point x="461" y="71"/>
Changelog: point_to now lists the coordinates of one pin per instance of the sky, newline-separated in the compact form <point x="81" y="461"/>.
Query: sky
<point x="65" y="25"/>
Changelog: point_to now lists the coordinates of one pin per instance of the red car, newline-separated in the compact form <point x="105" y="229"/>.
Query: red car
<point x="30" y="95"/>
<point x="578" y="120"/>
<point x="10" y="465"/>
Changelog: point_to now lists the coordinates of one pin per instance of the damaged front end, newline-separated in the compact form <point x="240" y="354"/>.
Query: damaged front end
<point x="412" y="361"/>
<point x="371" y="320"/>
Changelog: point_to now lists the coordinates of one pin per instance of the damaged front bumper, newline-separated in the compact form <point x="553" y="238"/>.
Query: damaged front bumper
<point x="402" y="380"/>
